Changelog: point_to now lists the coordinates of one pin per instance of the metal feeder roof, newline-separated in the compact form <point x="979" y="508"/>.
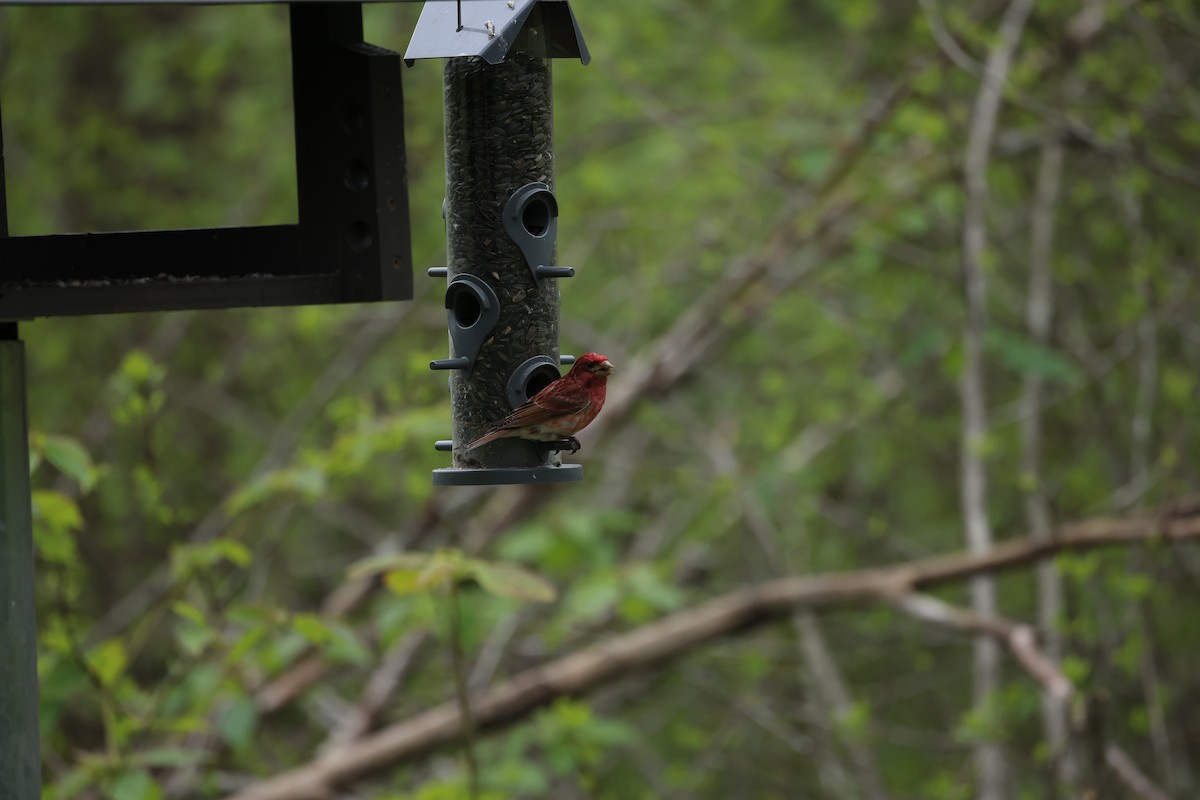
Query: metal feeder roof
<point x="490" y="28"/>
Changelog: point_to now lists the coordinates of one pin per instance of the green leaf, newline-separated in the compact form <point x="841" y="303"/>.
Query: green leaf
<point x="247" y="642"/>
<point x="593" y="596"/>
<point x="510" y="580"/>
<point x="71" y="784"/>
<point x="233" y="551"/>
<point x="345" y="646"/>
<point x="108" y="661"/>
<point x="238" y="721"/>
<point x="1025" y="356"/>
<point x="253" y="493"/>
<point x="311" y="627"/>
<point x="71" y="459"/>
<point x="387" y="563"/>
<point x="168" y="757"/>
<point x="308" y="481"/>
<point x="60" y="680"/>
<point x="189" y="611"/>
<point x="134" y="785"/>
<point x="403" y="581"/>
<point x="853" y="721"/>
<point x="443" y="567"/>
<point x="55" y="516"/>
<point x="187" y="559"/>
<point x="647" y="585"/>
<point x="194" y="639"/>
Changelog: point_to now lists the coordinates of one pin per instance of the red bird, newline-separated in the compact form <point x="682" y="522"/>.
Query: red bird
<point x="559" y="411"/>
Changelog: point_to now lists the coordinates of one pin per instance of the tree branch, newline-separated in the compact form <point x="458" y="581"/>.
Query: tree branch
<point x="1129" y="774"/>
<point x="671" y="636"/>
<point x="1019" y="637"/>
<point x="1039" y="309"/>
<point x="989" y="760"/>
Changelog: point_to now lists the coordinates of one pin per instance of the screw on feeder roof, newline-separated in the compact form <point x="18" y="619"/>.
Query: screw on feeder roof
<point x="490" y="28"/>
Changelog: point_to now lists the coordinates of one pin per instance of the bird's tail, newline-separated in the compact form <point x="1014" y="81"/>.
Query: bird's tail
<point x="487" y="438"/>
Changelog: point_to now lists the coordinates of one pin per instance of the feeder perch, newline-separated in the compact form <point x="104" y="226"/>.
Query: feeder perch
<point x="472" y="310"/>
<point x="531" y="220"/>
<point x="501" y="220"/>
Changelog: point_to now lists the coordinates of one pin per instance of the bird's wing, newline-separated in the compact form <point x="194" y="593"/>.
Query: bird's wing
<point x="545" y="407"/>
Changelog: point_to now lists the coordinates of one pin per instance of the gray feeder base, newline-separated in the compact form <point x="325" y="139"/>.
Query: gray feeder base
<point x="566" y="473"/>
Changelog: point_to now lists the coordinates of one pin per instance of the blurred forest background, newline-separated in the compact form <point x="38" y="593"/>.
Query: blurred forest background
<point x="884" y="282"/>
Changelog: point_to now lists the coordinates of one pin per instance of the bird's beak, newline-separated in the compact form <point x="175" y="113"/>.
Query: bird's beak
<point x="606" y="368"/>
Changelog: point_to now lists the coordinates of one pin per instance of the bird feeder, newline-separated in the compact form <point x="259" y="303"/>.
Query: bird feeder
<point x="501" y="214"/>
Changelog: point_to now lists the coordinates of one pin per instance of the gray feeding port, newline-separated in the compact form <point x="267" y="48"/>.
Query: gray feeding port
<point x="501" y="214"/>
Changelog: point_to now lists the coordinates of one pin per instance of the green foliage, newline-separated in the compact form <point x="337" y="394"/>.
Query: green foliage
<point x="237" y="722"/>
<point x="202" y="480"/>
<point x="408" y="573"/>
<point x="559" y="751"/>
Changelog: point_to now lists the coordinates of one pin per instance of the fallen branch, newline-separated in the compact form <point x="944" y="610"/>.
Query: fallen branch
<point x="673" y="635"/>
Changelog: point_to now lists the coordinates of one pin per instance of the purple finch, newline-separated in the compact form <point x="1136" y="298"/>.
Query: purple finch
<point x="559" y="411"/>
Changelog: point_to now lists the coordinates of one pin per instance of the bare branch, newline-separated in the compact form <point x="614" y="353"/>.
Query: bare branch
<point x="1019" y="638"/>
<point x="1129" y="774"/>
<point x="1038" y="315"/>
<point x="833" y="695"/>
<point x="672" y="636"/>
<point x="988" y="756"/>
<point x="391" y="670"/>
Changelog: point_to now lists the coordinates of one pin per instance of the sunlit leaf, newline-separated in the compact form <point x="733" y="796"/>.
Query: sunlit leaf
<point x="233" y="551"/>
<point x="510" y="580"/>
<point x="403" y="581"/>
<point x="69" y="456"/>
<point x="374" y="565"/>
<point x="55" y="518"/>
<point x="440" y="570"/>
<point x="108" y="661"/>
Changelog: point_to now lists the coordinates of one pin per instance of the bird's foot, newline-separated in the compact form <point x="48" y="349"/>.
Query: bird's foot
<point x="570" y="444"/>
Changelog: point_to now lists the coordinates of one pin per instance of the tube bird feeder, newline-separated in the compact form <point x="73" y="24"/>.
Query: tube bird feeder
<point x="502" y="297"/>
